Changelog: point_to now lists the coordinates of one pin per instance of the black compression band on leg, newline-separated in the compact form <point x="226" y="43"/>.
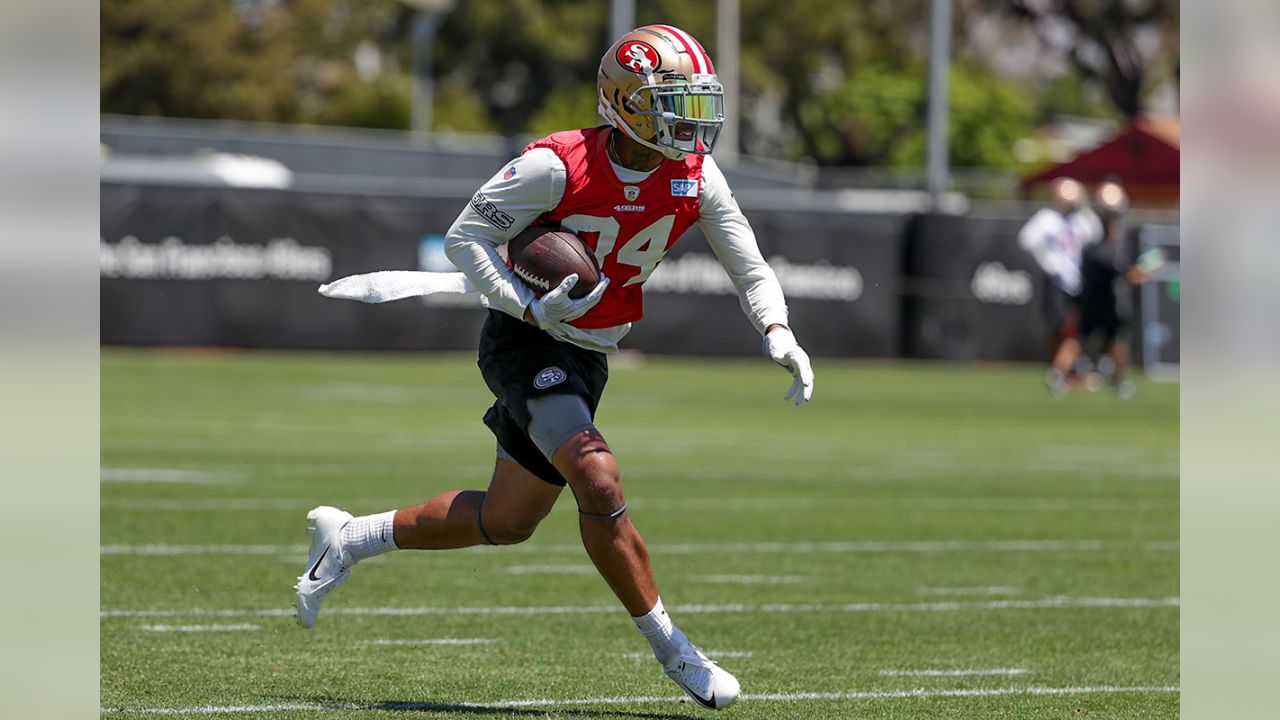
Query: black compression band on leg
<point x="480" y="519"/>
<point x="611" y="516"/>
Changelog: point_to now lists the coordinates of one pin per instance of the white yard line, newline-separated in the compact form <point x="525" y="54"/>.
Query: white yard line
<point x="235" y="627"/>
<point x="713" y="654"/>
<point x="431" y="641"/>
<point x="953" y="673"/>
<point x="954" y="606"/>
<point x="234" y="504"/>
<point x="760" y="548"/>
<point x="201" y="549"/>
<point x="977" y="590"/>
<point x="199" y="505"/>
<point x="920" y="694"/>
<point x="753" y="579"/>
<point x="579" y="569"/>
<point x="984" y="504"/>
<point x="179" y="476"/>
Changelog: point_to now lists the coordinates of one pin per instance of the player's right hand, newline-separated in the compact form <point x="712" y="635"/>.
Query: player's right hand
<point x="781" y="347"/>
<point x="556" y="307"/>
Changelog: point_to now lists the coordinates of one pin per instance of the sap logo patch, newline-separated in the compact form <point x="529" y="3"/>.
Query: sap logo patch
<point x="510" y="173"/>
<point x="684" y="188"/>
<point x="549" y="377"/>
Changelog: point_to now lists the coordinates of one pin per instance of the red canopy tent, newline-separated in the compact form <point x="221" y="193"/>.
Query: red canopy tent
<point x="1143" y="157"/>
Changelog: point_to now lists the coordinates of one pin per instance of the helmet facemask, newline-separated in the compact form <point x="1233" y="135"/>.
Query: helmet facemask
<point x="686" y="114"/>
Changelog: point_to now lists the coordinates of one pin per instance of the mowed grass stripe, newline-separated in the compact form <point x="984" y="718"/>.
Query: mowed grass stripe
<point x="896" y="478"/>
<point x="918" y="694"/>
<point x="767" y="548"/>
<point x="857" y="607"/>
<point x="695" y="504"/>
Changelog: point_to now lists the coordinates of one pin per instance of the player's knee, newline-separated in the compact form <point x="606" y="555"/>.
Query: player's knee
<point x="597" y="483"/>
<point x="511" y="531"/>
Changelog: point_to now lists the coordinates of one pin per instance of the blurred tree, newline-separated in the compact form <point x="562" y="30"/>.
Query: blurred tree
<point x="875" y="118"/>
<point x="275" y="60"/>
<point x="842" y="83"/>
<point x="1114" y="42"/>
<point x="525" y="59"/>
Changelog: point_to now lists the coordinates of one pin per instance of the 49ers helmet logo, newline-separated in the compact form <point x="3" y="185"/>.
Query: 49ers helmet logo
<point x="638" y="57"/>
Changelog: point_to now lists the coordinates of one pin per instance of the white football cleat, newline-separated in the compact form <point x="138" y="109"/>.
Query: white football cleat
<point x="702" y="679"/>
<point x="326" y="568"/>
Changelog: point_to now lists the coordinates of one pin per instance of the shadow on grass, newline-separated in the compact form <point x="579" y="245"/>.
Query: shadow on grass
<point x="477" y="709"/>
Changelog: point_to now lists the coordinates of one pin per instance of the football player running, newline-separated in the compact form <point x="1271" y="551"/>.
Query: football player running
<point x="629" y="189"/>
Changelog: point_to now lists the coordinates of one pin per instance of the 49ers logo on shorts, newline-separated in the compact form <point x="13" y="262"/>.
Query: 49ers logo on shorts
<point x="549" y="377"/>
<point x="638" y="57"/>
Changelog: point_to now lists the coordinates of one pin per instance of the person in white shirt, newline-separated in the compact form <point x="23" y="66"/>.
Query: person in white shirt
<point x="1055" y="236"/>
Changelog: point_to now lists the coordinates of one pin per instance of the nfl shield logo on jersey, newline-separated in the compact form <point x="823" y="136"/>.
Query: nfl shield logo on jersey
<point x="549" y="377"/>
<point x="631" y="192"/>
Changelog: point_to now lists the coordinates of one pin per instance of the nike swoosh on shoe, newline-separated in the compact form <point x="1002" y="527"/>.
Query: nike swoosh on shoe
<point x="312" y="574"/>
<point x="709" y="704"/>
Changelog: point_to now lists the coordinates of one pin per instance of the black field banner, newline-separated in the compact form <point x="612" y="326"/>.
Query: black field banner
<point x="193" y="266"/>
<point x="838" y="271"/>
<point x="233" y="267"/>
<point x="970" y="293"/>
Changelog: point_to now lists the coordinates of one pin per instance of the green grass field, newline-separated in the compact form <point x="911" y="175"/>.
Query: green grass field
<point x="921" y="541"/>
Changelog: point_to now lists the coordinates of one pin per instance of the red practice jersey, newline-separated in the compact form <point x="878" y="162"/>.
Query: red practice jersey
<point x="629" y="226"/>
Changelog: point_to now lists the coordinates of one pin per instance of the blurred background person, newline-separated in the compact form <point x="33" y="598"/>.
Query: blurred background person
<point x="1103" y="302"/>
<point x="1055" y="236"/>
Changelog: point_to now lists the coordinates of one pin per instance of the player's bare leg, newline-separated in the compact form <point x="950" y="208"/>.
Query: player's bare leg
<point x="619" y="553"/>
<point x="1119" y="352"/>
<point x="612" y="542"/>
<point x="507" y="513"/>
<point x="1064" y="360"/>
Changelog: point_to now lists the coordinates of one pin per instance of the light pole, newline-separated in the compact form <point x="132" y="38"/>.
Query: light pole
<point x="727" y="50"/>
<point x="431" y="14"/>
<point x="939" y="101"/>
<point x="622" y="18"/>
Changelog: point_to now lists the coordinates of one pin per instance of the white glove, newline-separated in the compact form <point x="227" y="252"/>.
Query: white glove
<point x="556" y="307"/>
<point x="781" y="347"/>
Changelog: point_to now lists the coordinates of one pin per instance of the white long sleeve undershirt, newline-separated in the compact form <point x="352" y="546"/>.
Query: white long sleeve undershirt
<point x="534" y="183"/>
<point x="1055" y="241"/>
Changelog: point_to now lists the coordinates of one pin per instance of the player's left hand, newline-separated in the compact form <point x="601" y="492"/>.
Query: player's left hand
<point x="781" y="347"/>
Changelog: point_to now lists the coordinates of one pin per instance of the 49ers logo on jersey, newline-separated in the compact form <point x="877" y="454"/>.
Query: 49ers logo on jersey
<point x="638" y="57"/>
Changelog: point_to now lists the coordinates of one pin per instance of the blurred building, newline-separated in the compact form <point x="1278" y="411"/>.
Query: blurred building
<point x="1144" y="156"/>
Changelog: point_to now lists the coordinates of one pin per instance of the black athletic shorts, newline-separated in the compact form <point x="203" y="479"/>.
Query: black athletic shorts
<point x="519" y="361"/>
<point x="1104" y="322"/>
<point x="1059" y="311"/>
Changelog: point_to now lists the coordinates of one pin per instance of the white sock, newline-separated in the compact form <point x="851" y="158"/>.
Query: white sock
<point x="369" y="535"/>
<point x="664" y="637"/>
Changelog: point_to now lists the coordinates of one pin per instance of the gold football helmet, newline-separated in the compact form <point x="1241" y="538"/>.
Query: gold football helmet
<point x="658" y="86"/>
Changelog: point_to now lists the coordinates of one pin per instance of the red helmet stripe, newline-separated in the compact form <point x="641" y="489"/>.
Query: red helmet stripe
<point x="701" y="63"/>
